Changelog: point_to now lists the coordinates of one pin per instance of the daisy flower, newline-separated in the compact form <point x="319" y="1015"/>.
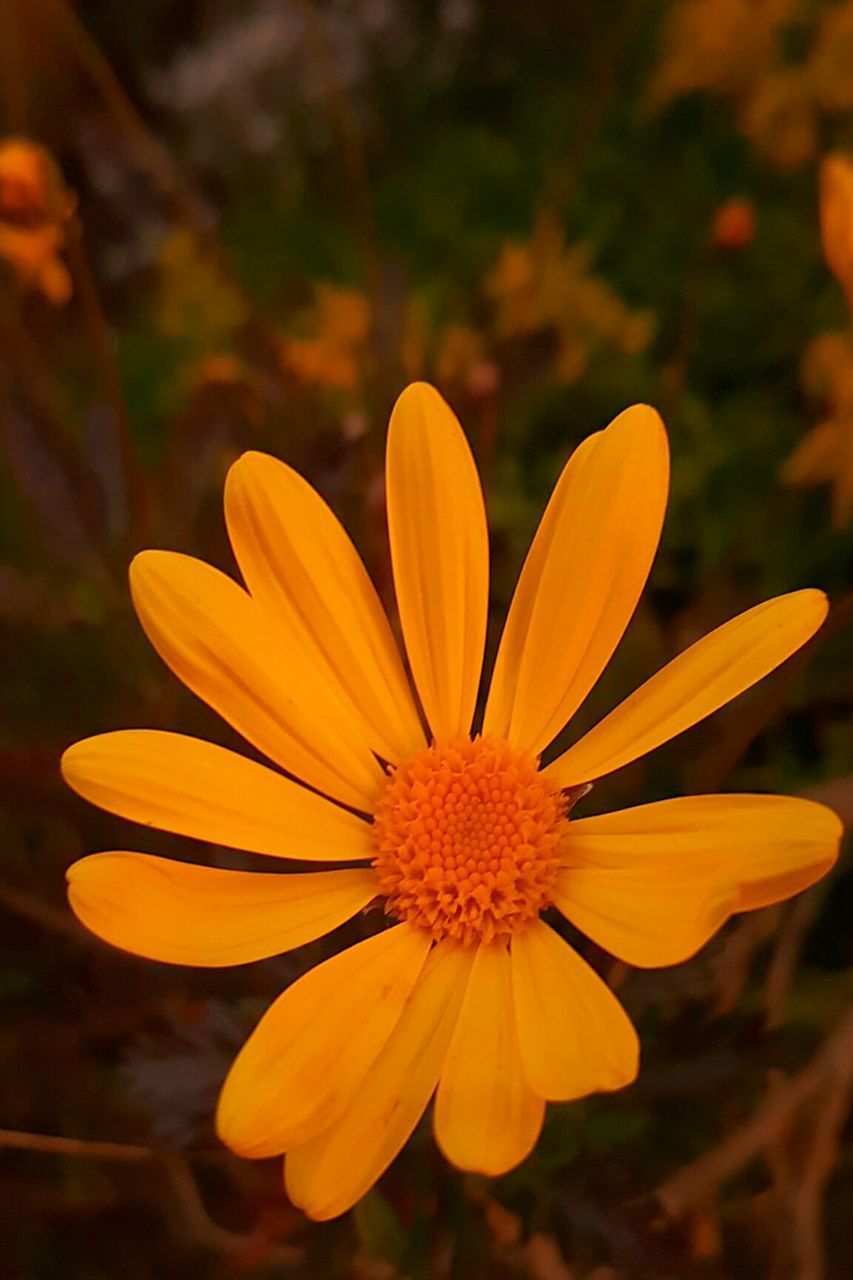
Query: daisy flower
<point x="468" y="993"/>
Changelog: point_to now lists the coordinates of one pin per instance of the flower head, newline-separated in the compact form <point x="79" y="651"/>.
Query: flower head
<point x="468" y="994"/>
<point x="468" y="838"/>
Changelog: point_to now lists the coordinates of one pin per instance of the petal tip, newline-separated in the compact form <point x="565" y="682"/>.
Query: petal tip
<point x="250" y="463"/>
<point x="641" y="416"/>
<point x="81" y="871"/>
<point x="819" y="600"/>
<point x="227" y="1128"/>
<point x="829" y="825"/>
<point x="145" y="565"/>
<point x="419" y="388"/>
<point x="835" y="829"/>
<point x="629" y="1070"/>
<point x="810" y="607"/>
<point x="67" y="762"/>
<point x="82" y="887"/>
<point x="641" y="429"/>
<point x="317" y="1208"/>
<point x="141" y="559"/>
<point x="72" y="873"/>
<point x="419" y="397"/>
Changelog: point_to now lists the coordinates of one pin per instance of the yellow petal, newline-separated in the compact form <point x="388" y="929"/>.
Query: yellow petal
<point x="298" y="561"/>
<point x="326" y="1176"/>
<point x="307" y="1057"/>
<point x="703" y="678"/>
<point x="439" y="555"/>
<point x="504" y="683"/>
<point x="641" y="916"/>
<point x="223" y="647"/>
<point x="196" y="789"/>
<point x="575" y="1037"/>
<point x="769" y="847"/>
<point x="181" y="913"/>
<point x="797" y="845"/>
<point x="582" y="578"/>
<point x="487" y="1118"/>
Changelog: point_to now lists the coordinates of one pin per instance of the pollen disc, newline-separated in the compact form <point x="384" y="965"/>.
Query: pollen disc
<point x="467" y="838"/>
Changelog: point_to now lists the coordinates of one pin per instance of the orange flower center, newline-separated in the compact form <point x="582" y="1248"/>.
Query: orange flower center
<point x="467" y="839"/>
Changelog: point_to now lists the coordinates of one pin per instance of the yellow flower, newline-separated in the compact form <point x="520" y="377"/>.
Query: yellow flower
<point x="831" y="59"/>
<point x="334" y="354"/>
<point x="469" y="994"/>
<point x="825" y="456"/>
<point x="780" y="118"/>
<point x="825" y="453"/>
<point x="836" y="218"/>
<point x="35" y="205"/>
<point x="461" y="349"/>
<point x="721" y="46"/>
<point x="548" y="287"/>
<point x="195" y="302"/>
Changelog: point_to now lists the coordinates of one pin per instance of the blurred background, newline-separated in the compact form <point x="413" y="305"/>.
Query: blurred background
<point x="234" y="224"/>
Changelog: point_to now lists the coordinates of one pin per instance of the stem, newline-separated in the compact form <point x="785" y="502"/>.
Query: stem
<point x="98" y="334"/>
<point x="697" y="1183"/>
<point x="152" y="152"/>
<point x="352" y="151"/>
<point x="197" y="1226"/>
<point x="34" y="382"/>
<point x="51" y="1144"/>
<point x="41" y="913"/>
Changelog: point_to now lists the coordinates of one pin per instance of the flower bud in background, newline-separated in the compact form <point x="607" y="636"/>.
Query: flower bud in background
<point x="733" y="225"/>
<point x="35" y="205"/>
<point x="483" y="380"/>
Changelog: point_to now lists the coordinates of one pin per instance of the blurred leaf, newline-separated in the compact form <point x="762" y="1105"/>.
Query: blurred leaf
<point x="379" y="1229"/>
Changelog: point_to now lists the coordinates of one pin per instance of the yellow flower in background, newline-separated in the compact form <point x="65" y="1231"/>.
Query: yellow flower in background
<point x="825" y="454"/>
<point x="196" y="302"/>
<point x="333" y="352"/>
<point x="35" y="206"/>
<point x="742" y="50"/>
<point x="722" y="46"/>
<point x="548" y="286"/>
<point x="832" y="57"/>
<point x="469" y="994"/>
<point x="836" y="218"/>
<point x="781" y="118"/>
<point x="461" y="349"/>
<point x="218" y="371"/>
